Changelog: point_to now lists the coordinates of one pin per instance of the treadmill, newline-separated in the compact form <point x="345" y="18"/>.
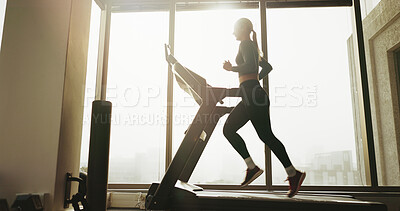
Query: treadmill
<point x="175" y="193"/>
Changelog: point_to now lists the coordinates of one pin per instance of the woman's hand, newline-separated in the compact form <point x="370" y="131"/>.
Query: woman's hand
<point x="227" y="65"/>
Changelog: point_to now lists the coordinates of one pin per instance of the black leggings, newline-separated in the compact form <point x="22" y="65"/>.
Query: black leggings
<point x="254" y="107"/>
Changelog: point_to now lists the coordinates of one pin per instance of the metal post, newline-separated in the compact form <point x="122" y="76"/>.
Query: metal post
<point x="101" y="122"/>
<point x="170" y="88"/>
<point x="263" y="15"/>
<point x="99" y="150"/>
<point x="365" y="92"/>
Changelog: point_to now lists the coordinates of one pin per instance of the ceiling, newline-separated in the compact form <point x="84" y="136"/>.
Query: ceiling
<point x="155" y="5"/>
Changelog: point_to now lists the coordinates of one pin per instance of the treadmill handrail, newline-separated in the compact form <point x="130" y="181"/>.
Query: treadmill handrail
<point x="188" y="80"/>
<point x="191" y="82"/>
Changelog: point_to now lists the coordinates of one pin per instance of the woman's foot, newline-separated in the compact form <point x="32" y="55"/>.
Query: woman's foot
<point x="251" y="175"/>
<point x="295" y="183"/>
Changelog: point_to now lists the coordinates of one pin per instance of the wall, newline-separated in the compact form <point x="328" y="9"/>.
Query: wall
<point x="358" y="114"/>
<point x="73" y="98"/>
<point x="42" y="70"/>
<point x="382" y="37"/>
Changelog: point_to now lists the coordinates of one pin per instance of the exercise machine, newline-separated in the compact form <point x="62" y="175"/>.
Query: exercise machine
<point x="175" y="193"/>
<point x="92" y="192"/>
<point x="4" y="205"/>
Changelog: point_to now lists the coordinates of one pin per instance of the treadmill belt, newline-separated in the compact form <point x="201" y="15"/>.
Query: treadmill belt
<point x="236" y="200"/>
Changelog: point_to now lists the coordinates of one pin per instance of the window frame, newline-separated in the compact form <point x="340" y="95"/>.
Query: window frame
<point x="178" y="5"/>
<point x="396" y="56"/>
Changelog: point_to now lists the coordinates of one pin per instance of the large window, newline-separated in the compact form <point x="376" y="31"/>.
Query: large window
<point x="137" y="82"/>
<point x="203" y="41"/>
<point x="311" y="110"/>
<point x="310" y="90"/>
<point x="3" y="4"/>
<point x="90" y="82"/>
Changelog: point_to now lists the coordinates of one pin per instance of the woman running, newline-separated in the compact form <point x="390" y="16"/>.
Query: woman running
<point x="254" y="106"/>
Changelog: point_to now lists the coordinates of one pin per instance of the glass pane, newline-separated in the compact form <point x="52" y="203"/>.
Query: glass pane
<point x="310" y="92"/>
<point x="137" y="82"/>
<point x="90" y="83"/>
<point x="203" y="41"/>
<point x="3" y="4"/>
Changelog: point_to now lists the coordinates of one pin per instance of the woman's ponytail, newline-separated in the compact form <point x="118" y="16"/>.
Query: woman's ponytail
<point x="255" y="38"/>
<point x="256" y="43"/>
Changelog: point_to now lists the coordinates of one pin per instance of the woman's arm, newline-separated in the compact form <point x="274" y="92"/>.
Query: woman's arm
<point x="266" y="68"/>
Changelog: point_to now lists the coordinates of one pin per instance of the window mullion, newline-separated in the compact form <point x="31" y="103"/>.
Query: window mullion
<point x="104" y="41"/>
<point x="263" y="15"/>
<point x="170" y="87"/>
<point x="365" y="93"/>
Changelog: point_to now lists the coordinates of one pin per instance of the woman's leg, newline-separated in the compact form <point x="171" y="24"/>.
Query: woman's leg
<point x="262" y="123"/>
<point x="257" y="107"/>
<point x="236" y="119"/>
<point x="258" y="112"/>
